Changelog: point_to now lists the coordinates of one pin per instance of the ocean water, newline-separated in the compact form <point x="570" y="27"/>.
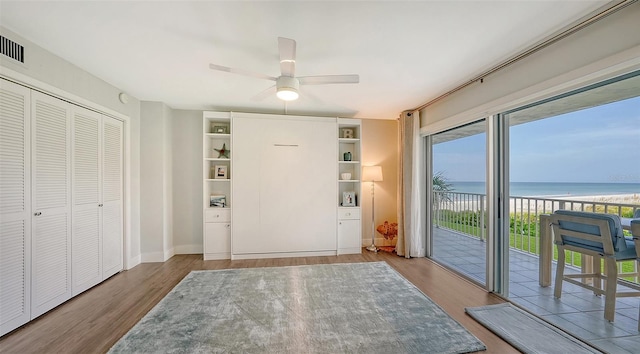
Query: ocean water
<point x="553" y="189"/>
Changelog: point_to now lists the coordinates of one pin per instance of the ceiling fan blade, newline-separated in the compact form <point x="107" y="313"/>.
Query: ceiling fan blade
<point x="271" y="91"/>
<point x="241" y="72"/>
<point x="287" y="49"/>
<point x="329" y="79"/>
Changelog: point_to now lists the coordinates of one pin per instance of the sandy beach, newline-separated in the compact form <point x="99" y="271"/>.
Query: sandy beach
<point x="552" y="203"/>
<point x="631" y="199"/>
<point x="599" y="203"/>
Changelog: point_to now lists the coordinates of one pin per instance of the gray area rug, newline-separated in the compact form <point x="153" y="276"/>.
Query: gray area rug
<point x="331" y="308"/>
<point x="526" y="332"/>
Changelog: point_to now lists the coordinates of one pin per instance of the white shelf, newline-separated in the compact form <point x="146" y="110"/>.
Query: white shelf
<point x="217" y="135"/>
<point x="218" y="179"/>
<point x="349" y="181"/>
<point x="348" y="140"/>
<point x="349" y="162"/>
<point x="217" y="159"/>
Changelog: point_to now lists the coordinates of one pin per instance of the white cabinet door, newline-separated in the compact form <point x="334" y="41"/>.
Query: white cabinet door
<point x="284" y="184"/>
<point x="349" y="240"/>
<point x="15" y="210"/>
<point x="51" y="203"/>
<point x="217" y="240"/>
<point x="86" y="233"/>
<point x="112" y="196"/>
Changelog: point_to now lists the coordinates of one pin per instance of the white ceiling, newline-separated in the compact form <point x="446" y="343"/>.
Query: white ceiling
<point x="406" y="52"/>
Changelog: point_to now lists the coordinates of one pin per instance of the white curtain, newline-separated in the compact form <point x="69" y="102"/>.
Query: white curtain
<point x="411" y="242"/>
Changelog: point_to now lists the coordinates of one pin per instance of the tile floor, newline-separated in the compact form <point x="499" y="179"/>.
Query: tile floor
<point x="578" y="311"/>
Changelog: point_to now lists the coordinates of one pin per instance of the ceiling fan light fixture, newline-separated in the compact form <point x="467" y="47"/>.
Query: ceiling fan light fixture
<point x="287" y="94"/>
<point x="287" y="88"/>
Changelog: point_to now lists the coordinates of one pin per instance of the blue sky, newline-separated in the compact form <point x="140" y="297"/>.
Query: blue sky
<point x="599" y="144"/>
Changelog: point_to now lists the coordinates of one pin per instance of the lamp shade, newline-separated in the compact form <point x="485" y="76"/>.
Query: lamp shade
<point x="372" y="173"/>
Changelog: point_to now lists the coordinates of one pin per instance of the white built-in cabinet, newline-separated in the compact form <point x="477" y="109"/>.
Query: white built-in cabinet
<point x="349" y="219"/>
<point x="282" y="186"/>
<point x="61" y="193"/>
<point x="217" y="185"/>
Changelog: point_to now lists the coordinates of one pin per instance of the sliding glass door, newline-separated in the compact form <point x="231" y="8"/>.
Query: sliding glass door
<point x="575" y="151"/>
<point x="458" y="202"/>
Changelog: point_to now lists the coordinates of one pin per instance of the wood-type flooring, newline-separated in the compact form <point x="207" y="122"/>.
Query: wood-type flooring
<point x="93" y="321"/>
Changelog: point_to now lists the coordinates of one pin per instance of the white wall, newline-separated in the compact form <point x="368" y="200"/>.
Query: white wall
<point x="187" y="181"/>
<point x="380" y="147"/>
<point x="605" y="49"/>
<point x="156" y="189"/>
<point x="52" y="74"/>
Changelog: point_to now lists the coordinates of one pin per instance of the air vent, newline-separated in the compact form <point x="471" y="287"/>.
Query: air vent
<point x="11" y="49"/>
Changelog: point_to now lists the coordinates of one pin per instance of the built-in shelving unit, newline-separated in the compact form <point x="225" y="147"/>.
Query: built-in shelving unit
<point x="349" y="156"/>
<point x="349" y="167"/>
<point x="216" y="170"/>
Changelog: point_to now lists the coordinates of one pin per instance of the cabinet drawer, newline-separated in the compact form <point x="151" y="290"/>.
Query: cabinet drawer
<point x="348" y="213"/>
<point x="217" y="215"/>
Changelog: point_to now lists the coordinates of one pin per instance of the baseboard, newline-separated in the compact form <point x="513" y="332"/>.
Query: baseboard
<point x="216" y="256"/>
<point x="134" y="261"/>
<point x="152" y="257"/>
<point x="282" y="255"/>
<point x="352" y="250"/>
<point x="168" y="254"/>
<point x="189" y="249"/>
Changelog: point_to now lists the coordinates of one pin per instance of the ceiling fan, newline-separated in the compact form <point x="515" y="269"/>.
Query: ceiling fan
<point x="287" y="84"/>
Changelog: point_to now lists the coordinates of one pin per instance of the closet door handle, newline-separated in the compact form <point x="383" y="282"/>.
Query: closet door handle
<point x="100" y="205"/>
<point x="286" y="145"/>
<point x="37" y="213"/>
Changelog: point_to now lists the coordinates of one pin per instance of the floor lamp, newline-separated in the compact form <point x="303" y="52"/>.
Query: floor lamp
<point x="372" y="174"/>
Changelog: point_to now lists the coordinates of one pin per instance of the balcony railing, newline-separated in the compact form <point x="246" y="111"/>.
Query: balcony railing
<point x="466" y="213"/>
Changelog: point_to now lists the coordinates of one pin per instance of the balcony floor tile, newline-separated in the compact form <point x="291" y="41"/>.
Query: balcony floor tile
<point x="578" y="311"/>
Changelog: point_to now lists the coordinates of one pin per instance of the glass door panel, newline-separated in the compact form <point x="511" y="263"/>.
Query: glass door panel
<point x="570" y="152"/>
<point x="458" y="231"/>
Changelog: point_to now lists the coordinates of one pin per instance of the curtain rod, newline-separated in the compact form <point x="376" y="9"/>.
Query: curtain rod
<point x="537" y="47"/>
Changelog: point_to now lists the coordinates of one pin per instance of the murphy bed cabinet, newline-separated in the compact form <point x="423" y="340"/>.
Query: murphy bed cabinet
<point x="278" y="191"/>
<point x="61" y="193"/>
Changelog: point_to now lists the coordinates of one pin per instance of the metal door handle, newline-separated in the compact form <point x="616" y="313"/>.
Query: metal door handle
<point x="37" y="213"/>
<point x="100" y="205"/>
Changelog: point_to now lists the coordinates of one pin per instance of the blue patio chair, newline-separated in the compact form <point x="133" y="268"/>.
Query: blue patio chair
<point x="599" y="236"/>
<point x="636" y="214"/>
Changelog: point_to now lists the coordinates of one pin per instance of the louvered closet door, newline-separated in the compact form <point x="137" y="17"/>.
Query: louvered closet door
<point x="86" y="233"/>
<point x="15" y="210"/>
<point x="51" y="203"/>
<point x="112" y="196"/>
